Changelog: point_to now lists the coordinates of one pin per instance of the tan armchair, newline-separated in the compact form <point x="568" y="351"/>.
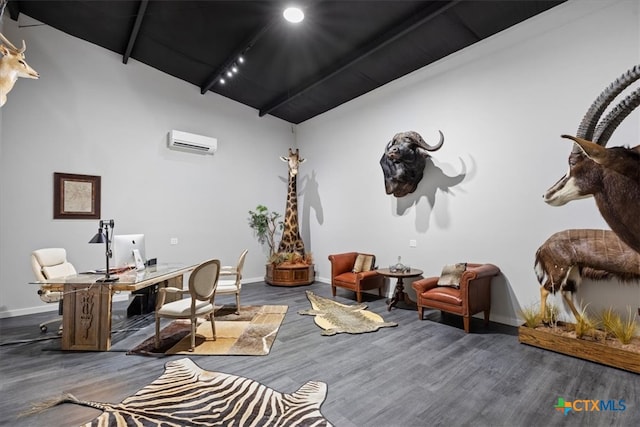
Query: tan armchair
<point x="363" y="277"/>
<point x="472" y="296"/>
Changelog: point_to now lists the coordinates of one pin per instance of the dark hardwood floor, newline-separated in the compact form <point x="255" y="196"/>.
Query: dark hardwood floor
<point x="421" y="373"/>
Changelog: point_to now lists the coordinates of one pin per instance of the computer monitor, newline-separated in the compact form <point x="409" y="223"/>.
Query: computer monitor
<point x="122" y="246"/>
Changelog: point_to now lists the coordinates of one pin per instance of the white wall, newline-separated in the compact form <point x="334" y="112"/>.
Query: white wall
<point x="502" y="105"/>
<point x="91" y="114"/>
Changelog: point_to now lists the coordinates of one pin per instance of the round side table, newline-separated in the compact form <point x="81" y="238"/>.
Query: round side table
<point x="399" y="295"/>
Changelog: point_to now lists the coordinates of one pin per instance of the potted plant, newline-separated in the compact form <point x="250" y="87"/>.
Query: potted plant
<point x="266" y="226"/>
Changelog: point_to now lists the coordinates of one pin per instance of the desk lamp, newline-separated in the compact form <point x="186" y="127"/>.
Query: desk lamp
<point x="103" y="237"/>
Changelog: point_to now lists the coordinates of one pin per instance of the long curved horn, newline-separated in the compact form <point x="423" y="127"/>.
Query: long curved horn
<point x="593" y="114"/>
<point x="610" y="123"/>
<point x="422" y="144"/>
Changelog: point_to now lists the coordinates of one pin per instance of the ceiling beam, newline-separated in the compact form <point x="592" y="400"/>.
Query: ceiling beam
<point x="241" y="50"/>
<point x="238" y="52"/>
<point x="142" y="7"/>
<point x="14" y="9"/>
<point x="378" y="42"/>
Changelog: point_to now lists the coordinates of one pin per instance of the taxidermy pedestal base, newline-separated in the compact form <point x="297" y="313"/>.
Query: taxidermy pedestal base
<point x="289" y="275"/>
<point x="588" y="350"/>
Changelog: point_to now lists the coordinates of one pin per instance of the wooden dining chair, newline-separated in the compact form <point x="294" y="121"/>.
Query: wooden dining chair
<point x="202" y="290"/>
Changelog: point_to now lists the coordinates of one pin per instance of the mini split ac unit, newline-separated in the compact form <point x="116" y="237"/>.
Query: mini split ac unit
<point x="185" y="141"/>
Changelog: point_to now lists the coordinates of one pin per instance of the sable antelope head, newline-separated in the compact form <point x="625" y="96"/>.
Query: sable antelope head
<point x="610" y="175"/>
<point x="12" y="66"/>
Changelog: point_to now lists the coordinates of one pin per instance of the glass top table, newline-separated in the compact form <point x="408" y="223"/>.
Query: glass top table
<point x="86" y="315"/>
<point x="129" y="280"/>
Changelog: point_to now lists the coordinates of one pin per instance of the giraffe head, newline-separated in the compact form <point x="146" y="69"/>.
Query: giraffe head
<point x="293" y="160"/>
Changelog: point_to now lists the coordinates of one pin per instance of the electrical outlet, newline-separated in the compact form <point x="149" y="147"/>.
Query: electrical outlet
<point x="413" y="243"/>
<point x="174" y="241"/>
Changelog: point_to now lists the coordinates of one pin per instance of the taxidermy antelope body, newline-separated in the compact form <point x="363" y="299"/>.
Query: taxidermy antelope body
<point x="12" y="66"/>
<point x="610" y="175"/>
<point x="570" y="255"/>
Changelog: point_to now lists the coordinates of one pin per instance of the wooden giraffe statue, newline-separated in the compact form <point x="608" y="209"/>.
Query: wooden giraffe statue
<point x="291" y="241"/>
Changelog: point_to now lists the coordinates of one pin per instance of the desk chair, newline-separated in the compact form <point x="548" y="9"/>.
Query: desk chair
<point x="203" y="282"/>
<point x="50" y="263"/>
<point x="230" y="281"/>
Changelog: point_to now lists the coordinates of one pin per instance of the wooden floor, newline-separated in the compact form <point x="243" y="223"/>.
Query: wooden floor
<point x="421" y="373"/>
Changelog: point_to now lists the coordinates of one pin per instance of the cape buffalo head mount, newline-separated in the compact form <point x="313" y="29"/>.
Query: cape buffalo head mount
<point x="404" y="160"/>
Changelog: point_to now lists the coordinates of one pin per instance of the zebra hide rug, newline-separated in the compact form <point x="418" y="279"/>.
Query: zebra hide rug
<point x="187" y="395"/>
<point x="337" y="318"/>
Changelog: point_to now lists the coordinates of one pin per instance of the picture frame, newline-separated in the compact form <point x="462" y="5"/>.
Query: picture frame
<point x="76" y="196"/>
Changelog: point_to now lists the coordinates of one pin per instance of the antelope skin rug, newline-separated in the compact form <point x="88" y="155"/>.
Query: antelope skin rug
<point x="335" y="318"/>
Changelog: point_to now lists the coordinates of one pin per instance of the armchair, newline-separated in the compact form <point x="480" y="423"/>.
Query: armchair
<point x="355" y="272"/>
<point x="50" y="263"/>
<point x="472" y="296"/>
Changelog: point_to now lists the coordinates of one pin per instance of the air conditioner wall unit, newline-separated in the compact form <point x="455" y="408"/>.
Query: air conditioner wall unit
<point x="185" y="141"/>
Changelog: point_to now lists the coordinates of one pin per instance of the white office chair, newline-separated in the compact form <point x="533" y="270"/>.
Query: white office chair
<point x="230" y="281"/>
<point x="202" y="288"/>
<point x="50" y="263"/>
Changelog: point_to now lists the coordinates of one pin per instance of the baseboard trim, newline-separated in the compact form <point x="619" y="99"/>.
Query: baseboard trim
<point x="47" y="308"/>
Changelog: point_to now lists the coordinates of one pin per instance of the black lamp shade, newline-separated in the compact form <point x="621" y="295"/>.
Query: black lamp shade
<point x="98" y="238"/>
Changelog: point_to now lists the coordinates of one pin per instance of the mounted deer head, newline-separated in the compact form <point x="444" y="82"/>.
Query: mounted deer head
<point x="12" y="66"/>
<point x="610" y="175"/>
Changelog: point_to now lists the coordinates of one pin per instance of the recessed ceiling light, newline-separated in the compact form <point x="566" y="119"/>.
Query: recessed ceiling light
<point x="293" y="14"/>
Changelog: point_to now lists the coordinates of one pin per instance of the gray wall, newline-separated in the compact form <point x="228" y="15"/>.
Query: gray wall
<point x="501" y="104"/>
<point x="91" y="114"/>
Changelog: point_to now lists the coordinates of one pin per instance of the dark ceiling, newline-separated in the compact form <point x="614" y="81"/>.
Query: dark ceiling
<point x="340" y="51"/>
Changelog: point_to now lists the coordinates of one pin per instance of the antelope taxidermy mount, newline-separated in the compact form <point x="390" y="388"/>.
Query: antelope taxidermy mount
<point x="610" y="175"/>
<point x="12" y="66"/>
<point x="568" y="256"/>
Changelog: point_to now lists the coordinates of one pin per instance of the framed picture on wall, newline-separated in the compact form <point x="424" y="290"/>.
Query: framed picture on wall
<point x="76" y="196"/>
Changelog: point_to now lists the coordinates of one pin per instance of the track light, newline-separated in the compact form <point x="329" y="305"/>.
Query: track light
<point x="230" y="71"/>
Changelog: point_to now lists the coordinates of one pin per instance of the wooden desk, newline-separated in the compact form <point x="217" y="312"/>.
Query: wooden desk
<point x="399" y="296"/>
<point x="86" y="314"/>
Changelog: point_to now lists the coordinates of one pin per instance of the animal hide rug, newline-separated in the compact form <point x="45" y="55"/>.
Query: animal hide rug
<point x="186" y="395"/>
<point x="337" y="318"/>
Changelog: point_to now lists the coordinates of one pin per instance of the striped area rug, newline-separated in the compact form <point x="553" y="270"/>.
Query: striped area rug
<point x="187" y="395"/>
